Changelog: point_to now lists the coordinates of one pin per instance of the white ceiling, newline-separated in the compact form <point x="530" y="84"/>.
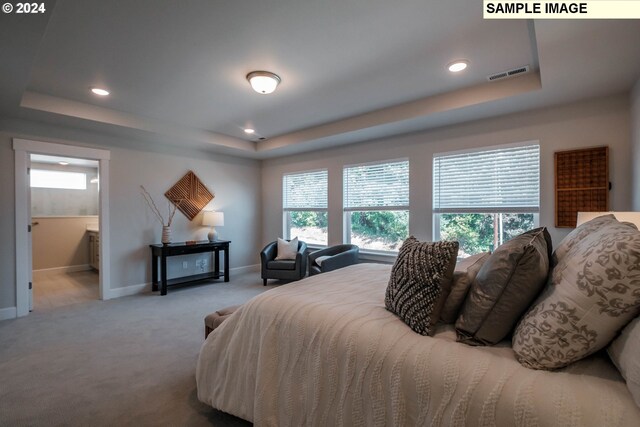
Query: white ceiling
<point x="41" y="158"/>
<point x="351" y="70"/>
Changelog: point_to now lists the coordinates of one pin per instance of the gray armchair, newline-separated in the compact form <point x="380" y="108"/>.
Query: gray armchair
<point x="341" y="256"/>
<point x="287" y="269"/>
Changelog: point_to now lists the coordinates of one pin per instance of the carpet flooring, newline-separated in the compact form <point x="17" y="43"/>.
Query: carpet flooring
<point x="127" y="361"/>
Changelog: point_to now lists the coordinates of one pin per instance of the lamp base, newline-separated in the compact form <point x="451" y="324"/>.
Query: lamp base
<point x="213" y="234"/>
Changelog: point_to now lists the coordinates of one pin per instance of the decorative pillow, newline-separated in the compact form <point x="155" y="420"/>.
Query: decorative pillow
<point x="624" y="352"/>
<point x="287" y="250"/>
<point x="579" y="233"/>
<point x="420" y="281"/>
<point x="594" y="291"/>
<point x="504" y="288"/>
<point x="463" y="275"/>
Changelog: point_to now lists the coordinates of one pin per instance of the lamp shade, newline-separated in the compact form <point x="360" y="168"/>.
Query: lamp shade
<point x="213" y="218"/>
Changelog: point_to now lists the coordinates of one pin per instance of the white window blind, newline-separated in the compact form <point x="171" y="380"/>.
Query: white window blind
<point x="305" y="191"/>
<point x="375" y="186"/>
<point x="495" y="180"/>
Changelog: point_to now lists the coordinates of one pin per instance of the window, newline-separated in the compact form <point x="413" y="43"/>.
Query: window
<point x="305" y="206"/>
<point x="376" y="205"/>
<point x="483" y="198"/>
<point x="57" y="179"/>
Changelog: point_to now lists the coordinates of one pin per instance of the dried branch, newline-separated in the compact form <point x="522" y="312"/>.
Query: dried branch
<point x="172" y="210"/>
<point x="152" y="205"/>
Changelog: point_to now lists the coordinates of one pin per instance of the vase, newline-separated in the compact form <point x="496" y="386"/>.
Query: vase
<point x="166" y="234"/>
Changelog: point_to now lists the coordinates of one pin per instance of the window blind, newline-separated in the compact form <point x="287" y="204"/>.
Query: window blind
<point x="382" y="185"/>
<point x="305" y="191"/>
<point x="496" y="180"/>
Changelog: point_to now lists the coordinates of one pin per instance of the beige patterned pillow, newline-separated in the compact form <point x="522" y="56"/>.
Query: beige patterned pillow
<point x="463" y="275"/>
<point x="594" y="292"/>
<point x="580" y="233"/>
<point x="624" y="351"/>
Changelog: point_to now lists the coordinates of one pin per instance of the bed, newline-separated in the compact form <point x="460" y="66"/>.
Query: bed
<point x="324" y="351"/>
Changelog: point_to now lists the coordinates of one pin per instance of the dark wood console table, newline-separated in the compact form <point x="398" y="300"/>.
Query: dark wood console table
<point x="163" y="252"/>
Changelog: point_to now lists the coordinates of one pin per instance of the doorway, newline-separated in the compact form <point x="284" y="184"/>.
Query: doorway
<point x="24" y="150"/>
<point x="65" y="231"/>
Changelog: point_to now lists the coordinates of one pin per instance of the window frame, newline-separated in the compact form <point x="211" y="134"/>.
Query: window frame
<point x="346" y="211"/>
<point x="488" y="209"/>
<point x="286" y="212"/>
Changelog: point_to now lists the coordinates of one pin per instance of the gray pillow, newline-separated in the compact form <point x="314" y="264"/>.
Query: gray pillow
<point x="420" y="281"/>
<point x="624" y="352"/>
<point x="463" y="275"/>
<point x="504" y="288"/>
<point x="580" y="233"/>
<point x="594" y="292"/>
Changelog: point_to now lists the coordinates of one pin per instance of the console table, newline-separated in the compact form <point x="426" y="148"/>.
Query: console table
<point x="162" y="252"/>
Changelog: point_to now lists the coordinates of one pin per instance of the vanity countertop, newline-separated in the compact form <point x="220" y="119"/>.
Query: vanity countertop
<point x="93" y="229"/>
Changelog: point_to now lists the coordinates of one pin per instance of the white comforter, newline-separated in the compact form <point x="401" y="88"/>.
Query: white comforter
<point x="325" y="352"/>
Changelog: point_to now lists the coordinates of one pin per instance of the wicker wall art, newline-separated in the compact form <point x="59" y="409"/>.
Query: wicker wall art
<point x="190" y="195"/>
<point x="582" y="183"/>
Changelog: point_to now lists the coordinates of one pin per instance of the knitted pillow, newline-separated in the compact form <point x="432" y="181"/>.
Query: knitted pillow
<point x="420" y="281"/>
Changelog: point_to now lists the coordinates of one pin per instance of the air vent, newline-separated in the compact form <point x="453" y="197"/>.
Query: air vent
<point x="508" y="73"/>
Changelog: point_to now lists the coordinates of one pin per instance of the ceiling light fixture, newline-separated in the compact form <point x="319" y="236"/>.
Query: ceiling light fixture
<point x="457" y="66"/>
<point x="249" y="130"/>
<point x="263" y="82"/>
<point x="99" y="91"/>
<point x="63" y="163"/>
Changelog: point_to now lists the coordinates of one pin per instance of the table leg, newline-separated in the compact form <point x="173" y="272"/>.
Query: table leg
<point x="216" y="261"/>
<point x="154" y="272"/>
<point x="163" y="274"/>
<point x="226" y="264"/>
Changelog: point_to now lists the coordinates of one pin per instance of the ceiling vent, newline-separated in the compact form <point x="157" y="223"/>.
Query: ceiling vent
<point x="508" y="73"/>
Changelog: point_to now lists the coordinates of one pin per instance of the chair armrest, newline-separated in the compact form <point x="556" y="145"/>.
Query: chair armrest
<point x="269" y="252"/>
<point x="320" y="252"/>
<point x="301" y="258"/>
<point x="340" y="260"/>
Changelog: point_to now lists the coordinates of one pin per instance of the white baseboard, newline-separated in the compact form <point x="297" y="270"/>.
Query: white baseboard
<point x="126" y="291"/>
<point x="146" y="287"/>
<point x="8" y="313"/>
<point x="245" y="269"/>
<point x="66" y="269"/>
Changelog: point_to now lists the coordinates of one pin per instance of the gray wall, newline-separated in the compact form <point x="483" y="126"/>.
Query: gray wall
<point x="235" y="182"/>
<point x="596" y="122"/>
<point x="635" y="146"/>
<point x="61" y="241"/>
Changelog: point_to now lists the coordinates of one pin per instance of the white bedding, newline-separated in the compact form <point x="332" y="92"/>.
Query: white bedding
<point x="324" y="351"/>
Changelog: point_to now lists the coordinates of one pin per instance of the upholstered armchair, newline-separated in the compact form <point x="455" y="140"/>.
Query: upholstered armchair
<point x="286" y="269"/>
<point x="338" y="256"/>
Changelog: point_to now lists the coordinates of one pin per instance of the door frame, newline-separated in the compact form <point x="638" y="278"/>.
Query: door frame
<point x="23" y="148"/>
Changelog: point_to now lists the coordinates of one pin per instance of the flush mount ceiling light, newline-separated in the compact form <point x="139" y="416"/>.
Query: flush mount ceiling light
<point x="263" y="82"/>
<point x="457" y="66"/>
<point x="63" y="163"/>
<point x="99" y="91"/>
<point x="249" y="130"/>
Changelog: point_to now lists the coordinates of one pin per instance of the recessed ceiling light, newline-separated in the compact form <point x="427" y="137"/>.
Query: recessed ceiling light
<point x="99" y="91"/>
<point x="249" y="130"/>
<point x="63" y="163"/>
<point x="457" y="66"/>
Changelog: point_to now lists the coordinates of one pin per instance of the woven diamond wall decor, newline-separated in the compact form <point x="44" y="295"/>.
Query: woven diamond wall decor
<point x="189" y="195"/>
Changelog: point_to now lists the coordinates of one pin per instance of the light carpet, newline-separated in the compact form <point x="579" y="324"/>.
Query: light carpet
<point x="127" y="361"/>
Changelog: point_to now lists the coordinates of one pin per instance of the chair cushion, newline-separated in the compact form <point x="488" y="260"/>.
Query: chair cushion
<point x="287" y="250"/>
<point x="285" y="264"/>
<point x="420" y="282"/>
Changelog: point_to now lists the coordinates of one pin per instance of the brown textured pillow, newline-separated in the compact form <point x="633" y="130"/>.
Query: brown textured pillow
<point x="594" y="292"/>
<point x="504" y="288"/>
<point x="420" y="281"/>
<point x="463" y="275"/>
<point x="580" y="233"/>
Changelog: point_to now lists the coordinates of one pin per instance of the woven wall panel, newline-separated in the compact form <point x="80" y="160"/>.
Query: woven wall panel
<point x="190" y="195"/>
<point x="581" y="183"/>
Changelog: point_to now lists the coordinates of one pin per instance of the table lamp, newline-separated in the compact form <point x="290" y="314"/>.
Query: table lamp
<point x="213" y="219"/>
